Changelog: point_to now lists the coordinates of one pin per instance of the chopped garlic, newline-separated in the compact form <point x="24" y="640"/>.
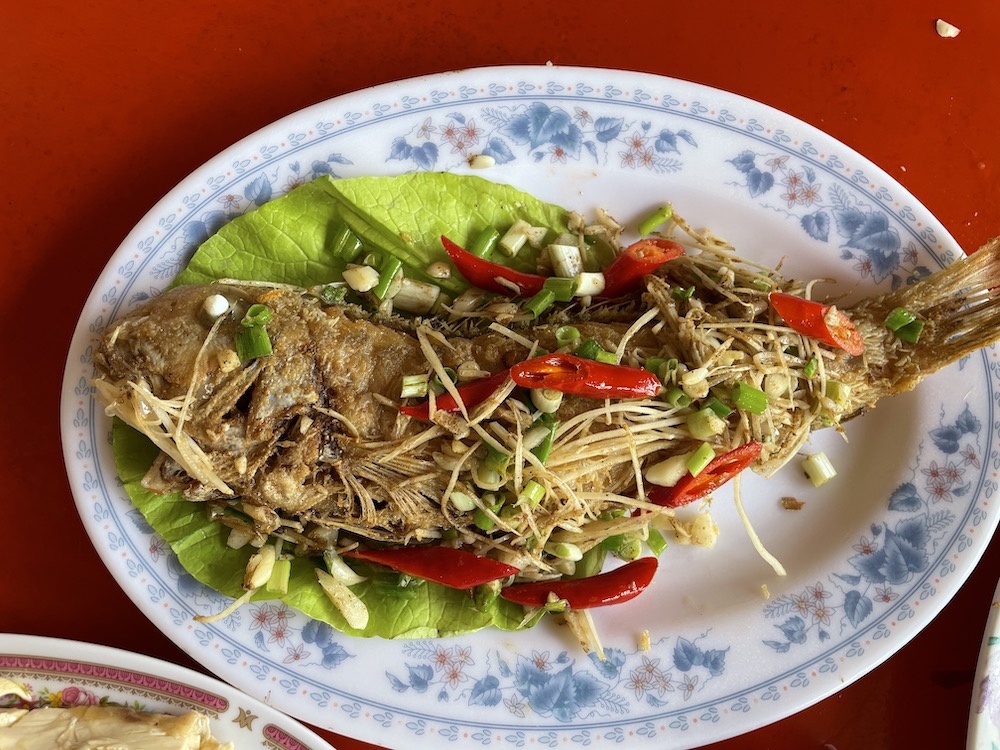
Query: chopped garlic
<point x="946" y="30"/>
<point x="229" y="360"/>
<point x="361" y="278"/>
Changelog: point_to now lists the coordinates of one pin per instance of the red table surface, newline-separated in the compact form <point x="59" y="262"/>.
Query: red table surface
<point x="105" y="106"/>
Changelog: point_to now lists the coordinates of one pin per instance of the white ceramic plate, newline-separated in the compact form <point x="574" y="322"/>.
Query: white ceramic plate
<point x="984" y="716"/>
<point x="63" y="673"/>
<point x="871" y="557"/>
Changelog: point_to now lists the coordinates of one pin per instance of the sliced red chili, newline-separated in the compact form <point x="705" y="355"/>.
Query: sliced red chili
<point x="485" y="274"/>
<point x="455" y="568"/>
<point x="577" y="376"/>
<point x="638" y="260"/>
<point x="822" y="322"/>
<point x="613" y="587"/>
<point x="473" y="393"/>
<point x="719" y="471"/>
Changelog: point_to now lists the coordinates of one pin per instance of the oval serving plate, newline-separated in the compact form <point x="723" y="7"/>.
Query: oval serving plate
<point x="871" y="557"/>
<point x="60" y="674"/>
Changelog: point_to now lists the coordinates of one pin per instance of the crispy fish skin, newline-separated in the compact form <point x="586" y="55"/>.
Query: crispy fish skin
<point x="313" y="431"/>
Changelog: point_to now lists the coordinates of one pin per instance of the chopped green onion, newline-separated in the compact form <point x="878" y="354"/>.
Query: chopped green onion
<point x="331" y="294"/>
<point x="748" y="398"/>
<point x="486" y="478"/>
<point x="438" y="384"/>
<point x="416" y="297"/>
<point x="656" y="542"/>
<point x="839" y="393"/>
<point x="590" y="283"/>
<point x="810" y="369"/>
<point x="608" y="358"/>
<point x="252" y="343"/>
<point x="461" y="501"/>
<point x="651" y="222"/>
<point x="910" y="333"/>
<point x="345" y="244"/>
<point x="899" y="318"/>
<point x="591" y="562"/>
<point x="496" y="460"/>
<point x="544" y="448"/>
<point x="656" y="365"/>
<point x="704" y="424"/>
<point x="564" y="289"/>
<point x="515" y="237"/>
<point x="277" y="583"/>
<point x="257" y="315"/>
<point x="623" y="546"/>
<point x="531" y="494"/>
<point x="413" y="386"/>
<point x="485" y="242"/>
<point x="566" y="260"/>
<point x="386" y="274"/>
<point x="564" y="551"/>
<point x="588" y="349"/>
<point x="540" y="302"/>
<point x="566" y="335"/>
<point x="676" y="397"/>
<point x="682" y="294"/>
<point x="373" y="259"/>
<point x="700" y="458"/>
<point x="818" y="468"/>
<point x="483" y="520"/>
<point x="546" y="400"/>
<point x="485" y="594"/>
<point x="721" y="410"/>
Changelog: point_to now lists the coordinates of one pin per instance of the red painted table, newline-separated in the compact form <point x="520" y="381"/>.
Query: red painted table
<point x="118" y="101"/>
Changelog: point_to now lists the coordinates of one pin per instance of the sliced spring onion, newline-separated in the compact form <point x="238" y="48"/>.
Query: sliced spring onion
<point x="540" y="302"/>
<point x="700" y="458"/>
<point x="910" y="333"/>
<point x="496" y="460"/>
<point x="704" y="424"/>
<point x="483" y="520"/>
<point x="682" y="294"/>
<point x="898" y="318"/>
<point x="676" y="397"/>
<point x="564" y="551"/>
<point x="331" y="294"/>
<point x="656" y="365"/>
<point x="278" y="582"/>
<point x="414" y="386"/>
<point x="659" y="216"/>
<point x="566" y="335"/>
<point x="390" y="267"/>
<point x="566" y="260"/>
<point x="417" y="297"/>
<point x="839" y="393"/>
<point x="590" y="283"/>
<point x="345" y="244"/>
<point x="818" y="468"/>
<point x="748" y="398"/>
<point x="515" y="237"/>
<point x="461" y="501"/>
<point x="531" y="494"/>
<point x="485" y="242"/>
<point x="252" y="343"/>
<point x="720" y="409"/>
<point x="257" y="315"/>
<point x="591" y="562"/>
<point x="487" y="479"/>
<point x="656" y="542"/>
<point x="588" y="349"/>
<point x="669" y="471"/>
<point x="609" y="358"/>
<point x="361" y="278"/>
<point x="544" y="448"/>
<point x="564" y="289"/>
<point x="340" y="570"/>
<point x="546" y="400"/>
<point x="810" y="369"/>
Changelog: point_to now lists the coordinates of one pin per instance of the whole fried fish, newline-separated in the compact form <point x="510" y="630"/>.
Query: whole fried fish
<point x="311" y="439"/>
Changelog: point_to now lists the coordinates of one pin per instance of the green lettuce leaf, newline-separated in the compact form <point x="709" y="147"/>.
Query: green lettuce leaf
<point x="286" y="240"/>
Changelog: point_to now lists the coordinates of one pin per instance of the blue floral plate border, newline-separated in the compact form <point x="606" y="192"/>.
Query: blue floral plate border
<point x="872" y="556"/>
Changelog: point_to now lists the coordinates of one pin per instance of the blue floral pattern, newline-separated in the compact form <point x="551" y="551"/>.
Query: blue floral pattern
<point x="699" y="681"/>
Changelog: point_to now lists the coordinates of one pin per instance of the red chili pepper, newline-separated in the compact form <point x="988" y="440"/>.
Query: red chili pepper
<point x="584" y="377"/>
<point x="450" y="567"/>
<point x="637" y="260"/>
<point x="822" y="322"/>
<point x="484" y="274"/>
<point x="618" y="585"/>
<point x="719" y="471"/>
<point x="473" y="393"/>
